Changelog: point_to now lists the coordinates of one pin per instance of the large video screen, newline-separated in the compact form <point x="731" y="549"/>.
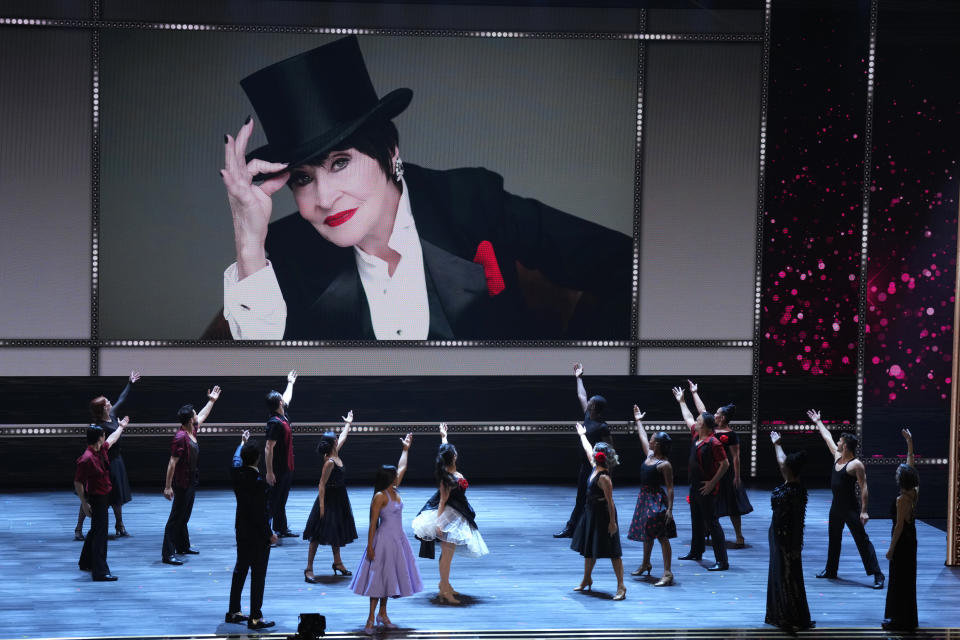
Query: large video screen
<point x="513" y="218"/>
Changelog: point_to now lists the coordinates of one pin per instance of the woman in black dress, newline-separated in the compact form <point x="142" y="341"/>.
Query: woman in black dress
<point x="104" y="414"/>
<point x="597" y="535"/>
<point x="786" y="595"/>
<point x="331" y="519"/>
<point x="901" y="609"/>
<point x="653" y="517"/>
<point x="733" y="500"/>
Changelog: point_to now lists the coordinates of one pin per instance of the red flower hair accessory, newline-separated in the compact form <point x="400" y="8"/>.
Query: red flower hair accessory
<point x="688" y="499"/>
<point x="600" y="457"/>
<point x="724" y="439"/>
<point x="463" y="483"/>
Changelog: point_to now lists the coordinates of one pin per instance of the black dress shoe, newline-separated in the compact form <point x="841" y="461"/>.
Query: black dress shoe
<point x="566" y="532"/>
<point x="189" y="552"/>
<point x="106" y="578"/>
<point x="878" y="580"/>
<point x="719" y="567"/>
<point x="260" y="624"/>
<point x="691" y="556"/>
<point x="172" y="561"/>
<point x="826" y="574"/>
<point x="78" y="535"/>
<point x="235" y="618"/>
<point x="286" y="534"/>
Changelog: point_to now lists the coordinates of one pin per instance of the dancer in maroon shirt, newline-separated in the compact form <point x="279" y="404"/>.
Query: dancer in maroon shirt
<point x="92" y="484"/>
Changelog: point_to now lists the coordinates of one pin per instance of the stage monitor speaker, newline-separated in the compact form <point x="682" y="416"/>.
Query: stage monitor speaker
<point x="311" y="627"/>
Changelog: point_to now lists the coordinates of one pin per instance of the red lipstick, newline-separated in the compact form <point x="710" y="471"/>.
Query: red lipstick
<point x="337" y="219"/>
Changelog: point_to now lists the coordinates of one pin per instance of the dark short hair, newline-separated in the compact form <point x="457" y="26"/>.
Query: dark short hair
<point x="377" y="139"/>
<point x="852" y="441"/>
<point x="185" y="414"/>
<point x="385" y="477"/>
<point x="907" y="477"/>
<point x="663" y="440"/>
<point x="94" y="433"/>
<point x="96" y="407"/>
<point x="274" y="400"/>
<point x="599" y="403"/>
<point x="250" y="453"/>
<point x="709" y="420"/>
<point x="327" y="441"/>
<point x="795" y="462"/>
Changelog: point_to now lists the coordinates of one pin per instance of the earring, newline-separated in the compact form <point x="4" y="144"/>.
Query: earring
<point x="397" y="169"/>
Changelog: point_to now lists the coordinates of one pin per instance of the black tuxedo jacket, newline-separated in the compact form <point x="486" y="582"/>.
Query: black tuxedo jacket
<point x="454" y="212"/>
<point x="253" y="519"/>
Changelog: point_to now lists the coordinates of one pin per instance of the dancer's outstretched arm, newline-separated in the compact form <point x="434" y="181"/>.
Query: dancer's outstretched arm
<point x="581" y="390"/>
<point x="342" y="440"/>
<point x="644" y="441"/>
<point x="697" y="402"/>
<point x="778" y="451"/>
<point x="814" y="416"/>
<point x="687" y="416"/>
<point x="288" y="392"/>
<point x="212" y="396"/>
<point x="587" y="447"/>
<point x="402" y="463"/>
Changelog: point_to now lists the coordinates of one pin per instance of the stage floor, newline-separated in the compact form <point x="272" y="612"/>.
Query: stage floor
<point x="524" y="584"/>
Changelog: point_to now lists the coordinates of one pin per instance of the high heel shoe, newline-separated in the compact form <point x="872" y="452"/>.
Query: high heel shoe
<point x="447" y="596"/>
<point x="665" y="581"/>
<point x="384" y="621"/>
<point x="78" y="535"/>
<point x="643" y="568"/>
<point x="310" y="579"/>
<point x="121" y="531"/>
<point x="584" y="586"/>
<point x="342" y="569"/>
<point x="621" y="594"/>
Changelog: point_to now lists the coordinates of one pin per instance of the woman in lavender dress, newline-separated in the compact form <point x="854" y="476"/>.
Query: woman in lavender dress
<point x="388" y="569"/>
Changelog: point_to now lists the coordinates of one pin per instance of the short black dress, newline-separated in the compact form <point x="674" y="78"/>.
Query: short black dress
<point x="650" y="516"/>
<point x="733" y="500"/>
<point x="591" y="539"/>
<point x="901" y="606"/>
<point x="336" y="527"/>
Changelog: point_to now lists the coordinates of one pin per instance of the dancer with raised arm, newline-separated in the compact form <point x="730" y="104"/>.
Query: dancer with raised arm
<point x="653" y="516"/>
<point x="786" y="595"/>
<point x="104" y="415"/>
<point x="733" y="500"/>
<point x="254" y="537"/>
<point x="331" y="518"/>
<point x="278" y="454"/>
<point x="597" y="431"/>
<point x="900" y="612"/>
<point x="708" y="463"/>
<point x="845" y="509"/>
<point x="388" y="568"/>
<point x="92" y="485"/>
<point x="448" y="517"/>
<point x="183" y="478"/>
<point x="597" y="534"/>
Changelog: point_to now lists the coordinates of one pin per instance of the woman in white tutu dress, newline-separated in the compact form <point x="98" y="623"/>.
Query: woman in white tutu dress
<point x="449" y="518"/>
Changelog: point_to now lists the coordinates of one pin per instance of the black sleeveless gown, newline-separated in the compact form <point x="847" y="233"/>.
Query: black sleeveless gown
<point x="901" y="609"/>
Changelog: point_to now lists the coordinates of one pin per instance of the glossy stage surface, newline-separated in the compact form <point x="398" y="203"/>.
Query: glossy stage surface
<point x="522" y="588"/>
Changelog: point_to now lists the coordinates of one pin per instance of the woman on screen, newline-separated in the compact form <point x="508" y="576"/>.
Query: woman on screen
<point x="388" y="251"/>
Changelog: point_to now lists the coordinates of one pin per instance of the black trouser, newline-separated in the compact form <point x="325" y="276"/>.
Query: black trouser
<point x="582" y="478"/>
<point x="93" y="556"/>
<point x="278" y="501"/>
<point x="252" y="555"/>
<point x="176" y="538"/>
<point x="850" y="517"/>
<point x="703" y="518"/>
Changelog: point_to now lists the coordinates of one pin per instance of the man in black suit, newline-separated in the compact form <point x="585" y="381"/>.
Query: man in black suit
<point x="381" y="250"/>
<point x="254" y="536"/>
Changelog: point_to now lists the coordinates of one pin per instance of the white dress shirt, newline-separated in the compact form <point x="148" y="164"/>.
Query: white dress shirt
<point x="255" y="309"/>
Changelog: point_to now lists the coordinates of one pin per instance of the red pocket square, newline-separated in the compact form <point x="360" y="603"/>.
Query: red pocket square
<point x="486" y="258"/>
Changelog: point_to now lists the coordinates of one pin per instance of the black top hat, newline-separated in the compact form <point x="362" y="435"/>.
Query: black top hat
<point x="313" y="101"/>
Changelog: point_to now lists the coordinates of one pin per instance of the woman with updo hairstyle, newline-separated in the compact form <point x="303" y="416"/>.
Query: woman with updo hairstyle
<point x="900" y="612"/>
<point x="597" y="534"/>
<point x="787" y="606"/>
<point x="331" y="519"/>
<point x="388" y="568"/>
<point x="653" y="516"/>
<point x="448" y="517"/>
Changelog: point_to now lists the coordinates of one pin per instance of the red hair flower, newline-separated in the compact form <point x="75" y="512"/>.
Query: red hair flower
<point x="724" y="439"/>
<point x="688" y="499"/>
<point x="600" y="457"/>
<point x="463" y="483"/>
